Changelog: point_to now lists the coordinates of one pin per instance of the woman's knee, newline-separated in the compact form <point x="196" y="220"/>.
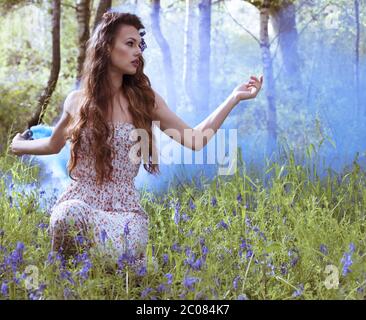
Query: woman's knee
<point x="68" y="213"/>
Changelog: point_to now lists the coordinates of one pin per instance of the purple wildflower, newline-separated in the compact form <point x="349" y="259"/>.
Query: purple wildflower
<point x="323" y="249"/>
<point x="192" y="206"/>
<point x="142" y="271"/>
<point x="242" y="297"/>
<point x="161" y="288"/>
<point x="176" y="247"/>
<point x="176" y="215"/>
<point x="299" y="291"/>
<point x="239" y="198"/>
<point x="145" y="292"/>
<point x="169" y="276"/>
<point x="165" y="258"/>
<point x="79" y="239"/>
<point x="235" y="282"/>
<point x="213" y="201"/>
<point x="222" y="224"/>
<point x="4" y="289"/>
<point x="204" y="251"/>
<point x="189" y="282"/>
<point x="103" y="236"/>
<point x="283" y="268"/>
<point x="65" y="274"/>
<point x="126" y="230"/>
<point x="352" y="247"/>
<point x="347" y="262"/>
<point x="43" y="225"/>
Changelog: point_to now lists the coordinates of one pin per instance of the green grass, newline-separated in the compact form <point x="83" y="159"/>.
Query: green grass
<point x="284" y="224"/>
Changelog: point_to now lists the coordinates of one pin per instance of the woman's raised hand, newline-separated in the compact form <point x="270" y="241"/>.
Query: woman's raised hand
<point x="248" y="90"/>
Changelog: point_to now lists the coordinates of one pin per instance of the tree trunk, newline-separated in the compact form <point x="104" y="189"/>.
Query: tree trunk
<point x="268" y="76"/>
<point x="103" y="6"/>
<point x="165" y="49"/>
<point x="203" y="69"/>
<point x="55" y="69"/>
<point x="83" y="19"/>
<point x="284" y="24"/>
<point x="188" y="76"/>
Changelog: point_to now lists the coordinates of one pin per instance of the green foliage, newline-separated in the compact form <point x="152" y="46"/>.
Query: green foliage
<point x="294" y="226"/>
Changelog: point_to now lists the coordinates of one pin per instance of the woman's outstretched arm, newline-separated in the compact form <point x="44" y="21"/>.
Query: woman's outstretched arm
<point x="49" y="145"/>
<point x="196" y="138"/>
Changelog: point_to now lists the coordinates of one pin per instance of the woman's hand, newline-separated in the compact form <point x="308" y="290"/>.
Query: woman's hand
<point x="13" y="145"/>
<point x="248" y="90"/>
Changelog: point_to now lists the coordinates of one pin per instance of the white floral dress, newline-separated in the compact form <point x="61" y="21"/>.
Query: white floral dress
<point x="111" y="212"/>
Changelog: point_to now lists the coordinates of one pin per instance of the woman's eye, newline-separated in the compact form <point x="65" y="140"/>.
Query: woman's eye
<point x="130" y="43"/>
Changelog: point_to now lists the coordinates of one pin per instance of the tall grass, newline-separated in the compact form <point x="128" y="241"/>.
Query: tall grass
<point x="259" y="234"/>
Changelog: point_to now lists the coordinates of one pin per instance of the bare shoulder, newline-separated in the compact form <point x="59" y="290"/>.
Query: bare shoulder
<point x="72" y="102"/>
<point x="159" y="101"/>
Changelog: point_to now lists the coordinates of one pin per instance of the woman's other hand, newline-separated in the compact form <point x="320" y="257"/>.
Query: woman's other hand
<point x="248" y="90"/>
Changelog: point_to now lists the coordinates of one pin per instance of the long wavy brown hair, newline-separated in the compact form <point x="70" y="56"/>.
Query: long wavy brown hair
<point x="97" y="97"/>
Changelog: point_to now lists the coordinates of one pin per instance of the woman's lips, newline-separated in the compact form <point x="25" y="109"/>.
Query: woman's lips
<point x="135" y="63"/>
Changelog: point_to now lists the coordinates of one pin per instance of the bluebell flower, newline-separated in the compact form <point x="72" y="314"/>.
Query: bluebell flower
<point x="204" y="251"/>
<point x="51" y="257"/>
<point x="142" y="271"/>
<point x="235" y="282"/>
<point x="197" y="265"/>
<point x="189" y="282"/>
<point x="299" y="291"/>
<point x="283" y="268"/>
<point x="43" y="192"/>
<point x="161" y="288"/>
<point x="295" y="254"/>
<point x="188" y="250"/>
<point x="145" y="292"/>
<point x="234" y="212"/>
<point x="176" y="247"/>
<point x="242" y="297"/>
<point x="185" y="217"/>
<point x="176" y="215"/>
<point x="84" y="272"/>
<point x="43" y="225"/>
<point x="4" y="289"/>
<point x="65" y="274"/>
<point x="202" y="241"/>
<point x="169" y="276"/>
<point x="213" y="201"/>
<point x="239" y="198"/>
<point x="103" y="236"/>
<point x="10" y="201"/>
<point x="249" y="254"/>
<point x="248" y="222"/>
<point x="222" y="224"/>
<point x="192" y="206"/>
<point x="323" y="249"/>
<point x="352" y="247"/>
<point x="20" y="246"/>
<point x="2" y="232"/>
<point x="165" y="258"/>
<point x="79" y="239"/>
<point x="272" y="268"/>
<point x="126" y="230"/>
<point x="347" y="263"/>
<point x="67" y="293"/>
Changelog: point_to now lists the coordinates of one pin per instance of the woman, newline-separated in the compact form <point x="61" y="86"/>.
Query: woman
<point x="115" y="98"/>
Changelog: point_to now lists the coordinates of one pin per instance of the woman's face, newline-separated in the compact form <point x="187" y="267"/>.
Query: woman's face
<point x="126" y="50"/>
